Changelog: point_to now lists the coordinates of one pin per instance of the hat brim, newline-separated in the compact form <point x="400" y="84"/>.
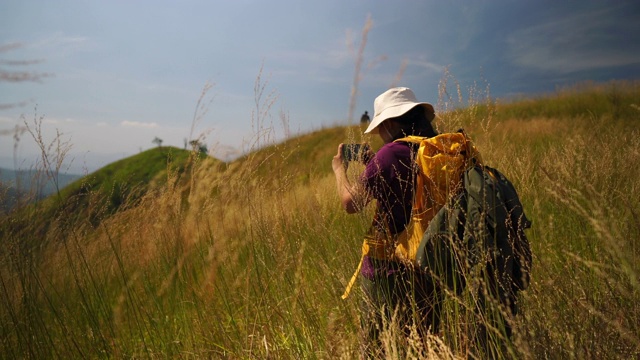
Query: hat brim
<point x="393" y="112"/>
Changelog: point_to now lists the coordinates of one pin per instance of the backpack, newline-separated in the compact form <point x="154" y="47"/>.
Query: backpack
<point x="441" y="161"/>
<point x="461" y="211"/>
<point x="480" y="231"/>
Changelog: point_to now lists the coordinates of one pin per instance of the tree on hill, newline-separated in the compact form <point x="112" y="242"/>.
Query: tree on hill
<point x="197" y="145"/>
<point x="157" y="141"/>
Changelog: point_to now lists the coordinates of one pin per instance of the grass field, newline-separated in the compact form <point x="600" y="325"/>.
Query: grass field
<point x="249" y="259"/>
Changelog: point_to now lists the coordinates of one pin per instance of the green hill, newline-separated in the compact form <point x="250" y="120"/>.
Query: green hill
<point x="115" y="187"/>
<point x="298" y="159"/>
<point x="125" y="181"/>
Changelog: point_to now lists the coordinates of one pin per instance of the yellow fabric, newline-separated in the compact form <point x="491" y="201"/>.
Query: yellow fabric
<point x="441" y="160"/>
<point x="376" y="248"/>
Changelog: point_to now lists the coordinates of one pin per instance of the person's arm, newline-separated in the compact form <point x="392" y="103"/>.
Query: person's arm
<point x="353" y="197"/>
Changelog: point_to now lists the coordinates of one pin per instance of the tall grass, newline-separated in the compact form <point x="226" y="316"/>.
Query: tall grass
<point x="248" y="259"/>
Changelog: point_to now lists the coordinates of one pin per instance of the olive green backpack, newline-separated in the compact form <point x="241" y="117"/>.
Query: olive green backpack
<point x="480" y="231"/>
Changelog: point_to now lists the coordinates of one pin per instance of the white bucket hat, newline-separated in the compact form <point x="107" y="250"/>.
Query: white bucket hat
<point x="393" y="103"/>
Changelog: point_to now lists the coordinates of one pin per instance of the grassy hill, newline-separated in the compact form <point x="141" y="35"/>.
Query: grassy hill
<point x="248" y="259"/>
<point x="125" y="182"/>
<point x="95" y="197"/>
<point x="299" y="159"/>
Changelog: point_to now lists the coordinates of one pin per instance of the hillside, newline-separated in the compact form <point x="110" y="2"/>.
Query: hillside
<point x="301" y="158"/>
<point x="193" y="257"/>
<point x="127" y="180"/>
<point x="298" y="159"/>
<point x="119" y="185"/>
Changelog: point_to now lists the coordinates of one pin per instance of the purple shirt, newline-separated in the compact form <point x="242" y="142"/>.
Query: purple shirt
<point x="388" y="178"/>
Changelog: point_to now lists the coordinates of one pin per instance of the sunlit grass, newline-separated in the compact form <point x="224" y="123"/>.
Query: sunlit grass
<point x="249" y="259"/>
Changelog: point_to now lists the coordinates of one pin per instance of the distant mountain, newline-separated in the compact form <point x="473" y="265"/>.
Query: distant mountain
<point x="29" y="185"/>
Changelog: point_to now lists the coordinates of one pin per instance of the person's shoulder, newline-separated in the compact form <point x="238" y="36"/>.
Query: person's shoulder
<point x="397" y="147"/>
<point x="393" y="151"/>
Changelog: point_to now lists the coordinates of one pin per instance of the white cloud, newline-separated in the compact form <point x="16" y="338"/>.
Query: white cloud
<point x="138" y="124"/>
<point x="320" y="63"/>
<point x="59" y="40"/>
<point x="314" y="58"/>
<point x="56" y="121"/>
<point x="580" y="41"/>
<point x="7" y="120"/>
<point x="426" y="65"/>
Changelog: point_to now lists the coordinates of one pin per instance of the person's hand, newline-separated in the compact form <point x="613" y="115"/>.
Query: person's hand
<point x="368" y="154"/>
<point x="338" y="162"/>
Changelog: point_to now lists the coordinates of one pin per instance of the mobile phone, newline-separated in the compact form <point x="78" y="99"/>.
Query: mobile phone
<point x="353" y="152"/>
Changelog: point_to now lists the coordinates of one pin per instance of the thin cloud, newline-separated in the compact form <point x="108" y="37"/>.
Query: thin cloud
<point x="321" y="63"/>
<point x="317" y="58"/>
<point x="7" y="120"/>
<point x="582" y="41"/>
<point x="138" y="124"/>
<point x="60" y="40"/>
<point x="426" y="65"/>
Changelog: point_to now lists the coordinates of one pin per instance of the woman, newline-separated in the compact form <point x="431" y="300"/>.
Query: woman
<point x="389" y="285"/>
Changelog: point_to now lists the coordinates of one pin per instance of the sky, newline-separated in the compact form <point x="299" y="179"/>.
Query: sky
<point x="114" y="75"/>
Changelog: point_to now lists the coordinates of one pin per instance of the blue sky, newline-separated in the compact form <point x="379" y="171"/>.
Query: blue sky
<point x="124" y="72"/>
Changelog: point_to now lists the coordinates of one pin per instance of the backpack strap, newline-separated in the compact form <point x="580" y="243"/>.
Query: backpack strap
<point x="376" y="248"/>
